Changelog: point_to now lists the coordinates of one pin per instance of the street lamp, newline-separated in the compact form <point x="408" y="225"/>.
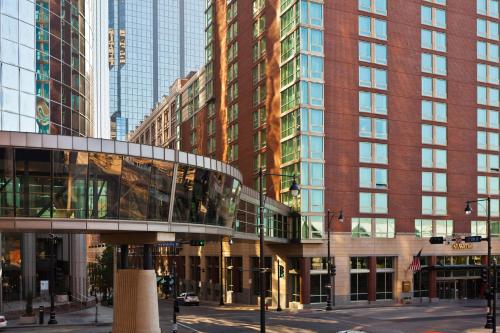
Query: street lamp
<point x="53" y="241"/>
<point x="491" y="315"/>
<point x="331" y="274"/>
<point x="294" y="191"/>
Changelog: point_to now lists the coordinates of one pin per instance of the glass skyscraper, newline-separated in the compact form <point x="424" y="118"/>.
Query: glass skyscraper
<point x="152" y="43"/>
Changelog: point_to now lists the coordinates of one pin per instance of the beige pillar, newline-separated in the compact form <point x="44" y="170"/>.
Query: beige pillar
<point x="136" y="302"/>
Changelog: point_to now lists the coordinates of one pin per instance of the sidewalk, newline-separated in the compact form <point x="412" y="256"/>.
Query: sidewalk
<point x="84" y="317"/>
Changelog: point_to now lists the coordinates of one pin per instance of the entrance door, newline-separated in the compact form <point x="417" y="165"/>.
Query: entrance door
<point x="447" y="289"/>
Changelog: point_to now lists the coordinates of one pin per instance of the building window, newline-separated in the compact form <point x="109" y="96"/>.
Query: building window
<point x="487" y="51"/>
<point x="375" y="203"/>
<point x="255" y="261"/>
<point x="384" y="228"/>
<point x="487" y="118"/>
<point x="373" y="128"/>
<point x="372" y="52"/>
<point x="311" y="67"/>
<point x="433" y="40"/>
<point x="385" y="272"/>
<point x="373" y="6"/>
<point x="423" y="228"/>
<point x="433" y="182"/>
<point x="487" y="74"/>
<point x="372" y="102"/>
<point x="433" y="16"/>
<point x="482" y="208"/>
<point x="443" y="228"/>
<point x="234" y="274"/>
<point x="311" y="13"/>
<point x="487" y="163"/>
<point x="373" y="152"/>
<point x="373" y="178"/>
<point x="359" y="278"/>
<point x="488" y="8"/>
<point x="372" y="27"/>
<point x="433" y="87"/>
<point x="433" y="205"/>
<point x="478" y="228"/>
<point x="432" y="134"/>
<point x="487" y="96"/>
<point x="487" y="185"/>
<point x="487" y="29"/>
<point x="433" y="64"/>
<point x="311" y="40"/>
<point x="487" y="140"/>
<point x="433" y="158"/>
<point x="434" y="111"/>
<point x="361" y="227"/>
<point x="311" y="93"/>
<point x="372" y="78"/>
<point x="439" y="2"/>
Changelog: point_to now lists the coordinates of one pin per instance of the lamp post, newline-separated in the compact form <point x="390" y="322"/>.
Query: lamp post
<point x="331" y="274"/>
<point x="491" y="315"/>
<point x="294" y="190"/>
<point x="53" y="240"/>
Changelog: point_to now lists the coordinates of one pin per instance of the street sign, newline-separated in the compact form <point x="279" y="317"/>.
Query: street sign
<point x="436" y="240"/>
<point x="472" y="239"/>
<point x="168" y="244"/>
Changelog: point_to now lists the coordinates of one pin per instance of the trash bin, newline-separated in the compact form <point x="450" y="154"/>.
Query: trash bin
<point x="41" y="314"/>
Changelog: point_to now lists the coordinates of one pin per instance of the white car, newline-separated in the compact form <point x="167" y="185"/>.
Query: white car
<point x="188" y="298"/>
<point x="3" y="322"/>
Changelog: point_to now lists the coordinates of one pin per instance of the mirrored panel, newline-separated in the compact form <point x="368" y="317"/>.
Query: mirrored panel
<point x="134" y="188"/>
<point x="103" y="186"/>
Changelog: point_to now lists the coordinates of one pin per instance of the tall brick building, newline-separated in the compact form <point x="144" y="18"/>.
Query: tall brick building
<point x="386" y="110"/>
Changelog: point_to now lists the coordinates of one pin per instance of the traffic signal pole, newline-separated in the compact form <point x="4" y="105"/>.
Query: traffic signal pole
<point x="279" y="282"/>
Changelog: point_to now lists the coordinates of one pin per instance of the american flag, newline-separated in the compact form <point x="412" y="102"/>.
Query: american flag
<point x="415" y="264"/>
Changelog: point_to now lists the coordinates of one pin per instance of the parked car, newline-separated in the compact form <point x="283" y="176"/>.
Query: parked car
<point x="349" y="331"/>
<point x="3" y="322"/>
<point x="188" y="298"/>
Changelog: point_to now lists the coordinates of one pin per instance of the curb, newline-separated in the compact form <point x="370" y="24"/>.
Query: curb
<point x="62" y="325"/>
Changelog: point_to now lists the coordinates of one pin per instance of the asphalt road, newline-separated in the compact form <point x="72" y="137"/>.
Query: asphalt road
<point x="446" y="318"/>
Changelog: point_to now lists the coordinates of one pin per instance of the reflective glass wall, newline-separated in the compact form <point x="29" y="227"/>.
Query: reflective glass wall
<point x="46" y="66"/>
<point x="81" y="185"/>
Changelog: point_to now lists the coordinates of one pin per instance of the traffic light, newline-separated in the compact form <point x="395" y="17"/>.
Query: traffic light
<point x="333" y="270"/>
<point x="197" y="242"/>
<point x="484" y="275"/>
<point x="281" y="271"/>
<point x="436" y="240"/>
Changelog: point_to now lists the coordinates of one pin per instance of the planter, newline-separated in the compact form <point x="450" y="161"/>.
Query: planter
<point x="27" y="320"/>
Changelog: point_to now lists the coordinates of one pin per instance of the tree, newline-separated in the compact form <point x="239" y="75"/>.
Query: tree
<point x="101" y="274"/>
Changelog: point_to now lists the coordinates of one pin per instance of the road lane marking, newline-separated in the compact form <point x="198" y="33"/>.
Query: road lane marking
<point x="189" y="328"/>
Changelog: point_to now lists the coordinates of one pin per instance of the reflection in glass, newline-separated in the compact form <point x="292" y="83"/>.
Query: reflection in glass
<point x="70" y="184"/>
<point x="104" y="180"/>
<point x="160" y="190"/>
<point x="6" y="183"/>
<point x="183" y="193"/>
<point x="215" y="197"/>
<point x="199" y="198"/>
<point x="33" y="182"/>
<point x="134" y="188"/>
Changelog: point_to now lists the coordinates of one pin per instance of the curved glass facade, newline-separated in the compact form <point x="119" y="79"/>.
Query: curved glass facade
<point x="85" y="185"/>
<point x="46" y="68"/>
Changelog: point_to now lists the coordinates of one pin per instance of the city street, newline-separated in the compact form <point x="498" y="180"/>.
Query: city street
<point x="445" y="317"/>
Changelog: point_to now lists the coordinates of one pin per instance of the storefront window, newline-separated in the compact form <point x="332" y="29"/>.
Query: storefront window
<point x="359" y="278"/>
<point x="256" y="276"/>
<point x="11" y="266"/>
<point x="234" y="274"/>
<point x="385" y="272"/>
